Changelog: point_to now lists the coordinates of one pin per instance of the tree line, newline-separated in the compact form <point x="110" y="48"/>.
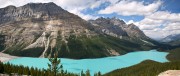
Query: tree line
<point x="145" y="68"/>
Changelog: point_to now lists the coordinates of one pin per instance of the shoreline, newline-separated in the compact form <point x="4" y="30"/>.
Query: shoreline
<point x="6" y="57"/>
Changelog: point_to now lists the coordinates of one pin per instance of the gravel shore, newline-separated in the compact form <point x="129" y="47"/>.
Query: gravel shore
<point x="170" y="73"/>
<point x="6" y="57"/>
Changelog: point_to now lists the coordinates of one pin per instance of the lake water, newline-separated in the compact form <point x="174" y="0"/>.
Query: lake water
<point x="104" y="65"/>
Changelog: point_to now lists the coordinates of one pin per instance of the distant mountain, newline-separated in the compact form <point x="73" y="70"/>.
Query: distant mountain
<point x="40" y="29"/>
<point x="118" y="28"/>
<point x="172" y="39"/>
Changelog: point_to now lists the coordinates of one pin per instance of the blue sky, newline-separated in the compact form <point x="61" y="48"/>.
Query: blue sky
<point x="156" y="18"/>
<point x="172" y="6"/>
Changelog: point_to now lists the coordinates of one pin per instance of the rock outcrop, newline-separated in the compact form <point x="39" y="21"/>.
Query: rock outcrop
<point x="170" y="73"/>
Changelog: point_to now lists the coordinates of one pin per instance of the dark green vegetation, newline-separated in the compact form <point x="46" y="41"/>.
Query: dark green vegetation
<point x="32" y="52"/>
<point x="2" y="40"/>
<point x="145" y="68"/>
<point x="174" y="54"/>
<point x="54" y="65"/>
<point x="97" y="46"/>
<point x="10" y="69"/>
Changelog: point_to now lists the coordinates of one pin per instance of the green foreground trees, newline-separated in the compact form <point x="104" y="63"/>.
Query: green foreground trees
<point x="54" y="65"/>
<point x="145" y="68"/>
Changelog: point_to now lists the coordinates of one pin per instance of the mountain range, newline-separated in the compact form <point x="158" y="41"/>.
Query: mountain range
<point x="40" y="29"/>
<point x="172" y="39"/>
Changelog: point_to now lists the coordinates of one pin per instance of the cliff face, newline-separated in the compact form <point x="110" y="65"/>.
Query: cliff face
<point x="39" y="29"/>
<point x="118" y="28"/>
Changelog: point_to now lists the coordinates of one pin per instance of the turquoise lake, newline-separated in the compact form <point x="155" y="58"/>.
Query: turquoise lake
<point x="104" y="65"/>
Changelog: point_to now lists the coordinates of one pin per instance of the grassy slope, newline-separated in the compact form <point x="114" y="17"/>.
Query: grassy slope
<point x="145" y="68"/>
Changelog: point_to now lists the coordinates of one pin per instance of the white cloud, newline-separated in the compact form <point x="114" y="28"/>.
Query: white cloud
<point x="5" y="3"/>
<point x="96" y="4"/>
<point x="130" y="21"/>
<point x="126" y="8"/>
<point x="76" y="6"/>
<point x="160" y="18"/>
<point x="172" y="27"/>
<point x="160" y="24"/>
<point x="149" y="21"/>
<point x="158" y="33"/>
<point x="83" y="16"/>
<point x="87" y="16"/>
<point x="165" y="15"/>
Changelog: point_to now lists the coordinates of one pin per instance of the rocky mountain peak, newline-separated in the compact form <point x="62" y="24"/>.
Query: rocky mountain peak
<point x="134" y="31"/>
<point x="43" y="7"/>
<point x="10" y="7"/>
<point x="113" y="20"/>
<point x="117" y="21"/>
<point x="110" y="26"/>
<point x="40" y="11"/>
<point x="118" y="28"/>
<point x="41" y="4"/>
<point x="133" y="26"/>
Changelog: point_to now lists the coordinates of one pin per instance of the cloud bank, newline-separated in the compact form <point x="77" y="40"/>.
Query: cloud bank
<point x="128" y="8"/>
<point x="160" y="24"/>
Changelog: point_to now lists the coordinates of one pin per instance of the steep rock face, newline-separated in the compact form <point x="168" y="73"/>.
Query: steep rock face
<point x="32" y="11"/>
<point x="109" y="26"/>
<point x="40" y="29"/>
<point x="118" y="28"/>
<point x="133" y="31"/>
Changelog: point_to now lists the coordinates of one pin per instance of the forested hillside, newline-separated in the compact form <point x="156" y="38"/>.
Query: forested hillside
<point x="145" y="68"/>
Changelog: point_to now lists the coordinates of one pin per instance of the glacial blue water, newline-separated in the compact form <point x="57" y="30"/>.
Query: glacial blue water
<point x="104" y="65"/>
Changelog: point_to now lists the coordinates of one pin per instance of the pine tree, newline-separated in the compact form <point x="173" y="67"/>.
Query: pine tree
<point x="1" y="67"/>
<point x="82" y="73"/>
<point x="99" y="73"/>
<point x="88" y="73"/>
<point x="54" y="65"/>
<point x="32" y="71"/>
